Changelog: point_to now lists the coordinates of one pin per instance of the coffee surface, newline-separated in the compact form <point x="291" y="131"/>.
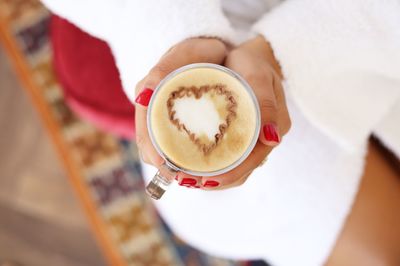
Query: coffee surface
<point x="203" y="119"/>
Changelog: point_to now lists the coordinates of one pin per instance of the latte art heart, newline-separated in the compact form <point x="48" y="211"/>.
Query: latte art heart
<point x="208" y="117"/>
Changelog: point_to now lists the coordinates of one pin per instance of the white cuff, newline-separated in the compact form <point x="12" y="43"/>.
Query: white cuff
<point x="341" y="61"/>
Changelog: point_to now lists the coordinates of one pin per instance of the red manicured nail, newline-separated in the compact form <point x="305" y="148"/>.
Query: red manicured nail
<point x="144" y="97"/>
<point x="271" y="133"/>
<point x="188" y="182"/>
<point x="211" y="183"/>
<point x="176" y="177"/>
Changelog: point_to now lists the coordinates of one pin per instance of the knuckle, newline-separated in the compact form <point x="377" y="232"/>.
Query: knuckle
<point x="218" y="45"/>
<point x="229" y="180"/>
<point x="235" y="56"/>
<point x="259" y="77"/>
<point x="140" y="140"/>
<point x="160" y="70"/>
<point x="143" y="157"/>
<point x="286" y="124"/>
<point x="236" y="53"/>
<point x="207" y="49"/>
<point x="256" y="163"/>
<point x="268" y="104"/>
<point x="139" y="86"/>
<point x="191" y="45"/>
<point x="146" y="160"/>
<point x="242" y="181"/>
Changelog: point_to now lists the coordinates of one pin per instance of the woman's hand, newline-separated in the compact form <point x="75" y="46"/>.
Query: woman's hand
<point x="196" y="50"/>
<point x="255" y="62"/>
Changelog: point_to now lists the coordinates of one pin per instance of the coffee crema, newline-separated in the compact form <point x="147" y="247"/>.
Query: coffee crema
<point x="203" y="119"/>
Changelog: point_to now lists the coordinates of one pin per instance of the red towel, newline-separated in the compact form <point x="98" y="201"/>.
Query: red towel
<point x="86" y="70"/>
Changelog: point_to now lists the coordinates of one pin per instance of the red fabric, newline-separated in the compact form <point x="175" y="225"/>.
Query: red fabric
<point x="86" y="70"/>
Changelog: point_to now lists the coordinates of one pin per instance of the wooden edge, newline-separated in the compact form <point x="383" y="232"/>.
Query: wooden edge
<point x="25" y="75"/>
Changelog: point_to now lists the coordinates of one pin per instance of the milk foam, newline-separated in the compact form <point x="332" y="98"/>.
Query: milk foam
<point x="185" y="127"/>
<point x="198" y="115"/>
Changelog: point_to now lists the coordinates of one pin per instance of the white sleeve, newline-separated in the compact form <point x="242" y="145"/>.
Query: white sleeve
<point x="139" y="32"/>
<point x="341" y="61"/>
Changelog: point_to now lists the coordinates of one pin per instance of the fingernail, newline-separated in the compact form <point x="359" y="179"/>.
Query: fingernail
<point x="144" y="97"/>
<point x="176" y="177"/>
<point x="211" y="183"/>
<point x="188" y="182"/>
<point x="271" y="133"/>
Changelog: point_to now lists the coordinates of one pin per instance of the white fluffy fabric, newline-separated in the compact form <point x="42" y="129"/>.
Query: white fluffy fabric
<point x="289" y="212"/>
<point x="341" y="63"/>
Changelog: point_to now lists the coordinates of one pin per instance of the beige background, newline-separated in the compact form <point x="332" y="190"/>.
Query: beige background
<point x="41" y="222"/>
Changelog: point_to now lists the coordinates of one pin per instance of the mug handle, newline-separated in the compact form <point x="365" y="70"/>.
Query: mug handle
<point x="161" y="181"/>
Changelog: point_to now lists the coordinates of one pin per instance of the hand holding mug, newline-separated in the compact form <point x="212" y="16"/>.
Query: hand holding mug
<point x="254" y="61"/>
<point x="196" y="50"/>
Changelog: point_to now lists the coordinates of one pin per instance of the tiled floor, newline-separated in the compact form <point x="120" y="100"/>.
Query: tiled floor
<point x="41" y="222"/>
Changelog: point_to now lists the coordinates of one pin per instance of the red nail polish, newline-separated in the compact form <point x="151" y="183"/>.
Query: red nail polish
<point x="144" y="97"/>
<point x="270" y="133"/>
<point x="211" y="183"/>
<point x="176" y="177"/>
<point x="188" y="182"/>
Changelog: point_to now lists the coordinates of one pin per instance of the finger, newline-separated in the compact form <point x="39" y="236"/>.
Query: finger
<point x="173" y="59"/>
<point x="188" y="52"/>
<point x="143" y="141"/>
<point x="262" y="84"/>
<point x="256" y="157"/>
<point x="238" y="182"/>
<point x="143" y="157"/>
<point x="283" y="112"/>
<point x="146" y="149"/>
<point x="269" y="134"/>
<point x="260" y="78"/>
<point x="189" y="181"/>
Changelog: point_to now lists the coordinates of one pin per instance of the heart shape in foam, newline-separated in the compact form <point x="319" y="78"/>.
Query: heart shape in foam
<point x="210" y="124"/>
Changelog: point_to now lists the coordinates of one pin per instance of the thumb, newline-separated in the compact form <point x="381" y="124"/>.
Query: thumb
<point x="269" y="134"/>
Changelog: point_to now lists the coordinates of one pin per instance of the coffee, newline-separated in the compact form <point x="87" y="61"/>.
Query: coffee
<point x="203" y="119"/>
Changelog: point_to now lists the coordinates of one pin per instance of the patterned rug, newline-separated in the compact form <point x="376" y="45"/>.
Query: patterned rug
<point x="103" y="169"/>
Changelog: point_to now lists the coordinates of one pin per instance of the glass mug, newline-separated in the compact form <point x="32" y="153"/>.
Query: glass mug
<point x="168" y="171"/>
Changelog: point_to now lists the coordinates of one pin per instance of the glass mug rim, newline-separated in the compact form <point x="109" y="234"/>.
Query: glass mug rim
<point x="249" y="90"/>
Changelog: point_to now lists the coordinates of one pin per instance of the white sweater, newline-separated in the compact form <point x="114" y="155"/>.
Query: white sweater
<point x="341" y="62"/>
